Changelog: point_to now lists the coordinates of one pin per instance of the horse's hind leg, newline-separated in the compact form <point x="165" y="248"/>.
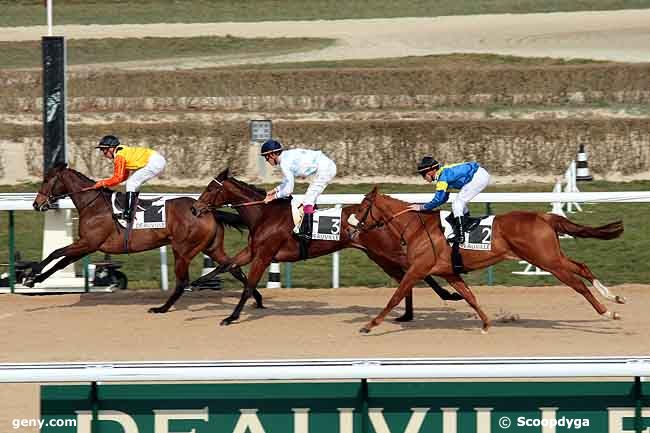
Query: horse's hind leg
<point x="462" y="288"/>
<point x="565" y="273"/>
<point x="585" y="272"/>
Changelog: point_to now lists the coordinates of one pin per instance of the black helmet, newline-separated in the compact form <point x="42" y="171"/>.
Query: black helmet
<point x="270" y="146"/>
<point x="427" y="164"/>
<point x="108" y="141"/>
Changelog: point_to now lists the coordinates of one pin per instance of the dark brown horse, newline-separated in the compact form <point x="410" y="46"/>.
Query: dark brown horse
<point x="270" y="238"/>
<point x="530" y="236"/>
<point x="100" y="231"/>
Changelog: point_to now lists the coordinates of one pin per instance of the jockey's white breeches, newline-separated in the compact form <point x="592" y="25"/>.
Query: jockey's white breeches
<point x="324" y="175"/>
<point x="468" y="192"/>
<point x="154" y="167"/>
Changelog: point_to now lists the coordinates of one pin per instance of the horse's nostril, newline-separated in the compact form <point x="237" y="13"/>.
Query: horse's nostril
<point x="193" y="210"/>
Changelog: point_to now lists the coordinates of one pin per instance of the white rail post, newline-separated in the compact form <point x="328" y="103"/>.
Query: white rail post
<point x="335" y="264"/>
<point x="274" y="281"/>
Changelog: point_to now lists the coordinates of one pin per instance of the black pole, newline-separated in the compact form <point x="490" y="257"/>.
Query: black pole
<point x="54" y="125"/>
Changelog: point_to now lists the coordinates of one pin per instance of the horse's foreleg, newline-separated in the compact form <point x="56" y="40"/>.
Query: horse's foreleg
<point x="239" y="274"/>
<point x="181" y="269"/>
<point x="242" y="258"/>
<point x="32" y="279"/>
<point x="258" y="266"/>
<point x="70" y="254"/>
<point x="461" y="287"/>
<point x="405" y="286"/>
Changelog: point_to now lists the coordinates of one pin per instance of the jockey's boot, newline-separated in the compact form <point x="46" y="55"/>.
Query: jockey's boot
<point x="459" y="231"/>
<point x="129" y="206"/>
<point x="306" y="226"/>
<point x="304" y="235"/>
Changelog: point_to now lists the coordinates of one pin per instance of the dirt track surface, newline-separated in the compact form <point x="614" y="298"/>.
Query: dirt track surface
<point x="298" y="323"/>
<point x="603" y="35"/>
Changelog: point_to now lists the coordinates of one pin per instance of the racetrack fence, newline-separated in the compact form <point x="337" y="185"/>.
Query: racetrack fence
<point x="22" y="201"/>
<point x="447" y="395"/>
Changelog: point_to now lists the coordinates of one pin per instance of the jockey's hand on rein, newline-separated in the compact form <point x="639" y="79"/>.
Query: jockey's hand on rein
<point x="270" y="197"/>
<point x="415" y="207"/>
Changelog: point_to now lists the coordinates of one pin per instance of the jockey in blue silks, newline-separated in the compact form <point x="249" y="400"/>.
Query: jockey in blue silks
<point x="469" y="177"/>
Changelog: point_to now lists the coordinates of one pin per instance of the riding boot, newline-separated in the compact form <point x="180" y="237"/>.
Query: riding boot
<point x="304" y="236"/>
<point x="306" y="226"/>
<point x="129" y="207"/>
<point x="459" y="230"/>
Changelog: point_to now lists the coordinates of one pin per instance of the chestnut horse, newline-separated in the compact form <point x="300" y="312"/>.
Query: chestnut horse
<point x="100" y="231"/>
<point x="270" y="238"/>
<point x="530" y="236"/>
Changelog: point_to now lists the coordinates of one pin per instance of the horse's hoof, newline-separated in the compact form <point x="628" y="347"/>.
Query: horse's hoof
<point x="157" y="310"/>
<point x="620" y="299"/>
<point x="611" y="315"/>
<point x="29" y="281"/>
<point x="260" y="306"/>
<point x="227" y="321"/>
<point x="404" y="318"/>
<point x="364" y="330"/>
<point x="484" y="331"/>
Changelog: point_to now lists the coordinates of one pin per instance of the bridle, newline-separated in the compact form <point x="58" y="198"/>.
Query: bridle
<point x="235" y="205"/>
<point x="361" y="225"/>
<point x="52" y="199"/>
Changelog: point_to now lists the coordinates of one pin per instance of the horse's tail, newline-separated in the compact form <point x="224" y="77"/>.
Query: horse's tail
<point x="230" y="219"/>
<point x="564" y="225"/>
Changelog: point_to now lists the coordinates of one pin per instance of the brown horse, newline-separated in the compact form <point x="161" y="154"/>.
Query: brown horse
<point x="270" y="238"/>
<point x="530" y="236"/>
<point x="100" y="231"/>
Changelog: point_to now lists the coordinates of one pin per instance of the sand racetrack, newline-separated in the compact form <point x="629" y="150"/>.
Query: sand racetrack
<point x="601" y="35"/>
<point x="552" y="321"/>
<point x="298" y="323"/>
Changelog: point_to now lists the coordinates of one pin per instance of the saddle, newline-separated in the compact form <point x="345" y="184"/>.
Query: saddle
<point x="471" y="222"/>
<point x="149" y="213"/>
<point x="143" y="203"/>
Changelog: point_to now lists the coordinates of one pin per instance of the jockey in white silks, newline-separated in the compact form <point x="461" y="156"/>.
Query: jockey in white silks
<point x="299" y="163"/>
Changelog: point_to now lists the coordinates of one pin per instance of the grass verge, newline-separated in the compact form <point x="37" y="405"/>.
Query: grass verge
<point x="32" y="12"/>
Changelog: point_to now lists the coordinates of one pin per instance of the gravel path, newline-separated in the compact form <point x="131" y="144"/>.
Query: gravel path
<point x="603" y="35"/>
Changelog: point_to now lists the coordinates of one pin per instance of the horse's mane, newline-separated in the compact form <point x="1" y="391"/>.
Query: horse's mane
<point x="81" y="175"/>
<point x="248" y="186"/>
<point x="64" y="166"/>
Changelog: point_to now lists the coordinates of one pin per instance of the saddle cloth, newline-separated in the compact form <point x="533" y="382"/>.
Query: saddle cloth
<point x="478" y="234"/>
<point x="149" y="214"/>
<point x="327" y="222"/>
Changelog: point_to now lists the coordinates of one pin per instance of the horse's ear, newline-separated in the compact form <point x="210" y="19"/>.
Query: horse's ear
<point x="55" y="169"/>
<point x="374" y="191"/>
<point x="225" y="174"/>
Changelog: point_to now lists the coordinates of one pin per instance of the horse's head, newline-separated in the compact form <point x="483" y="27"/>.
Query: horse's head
<point x="52" y="189"/>
<point x="367" y="215"/>
<point x="212" y="195"/>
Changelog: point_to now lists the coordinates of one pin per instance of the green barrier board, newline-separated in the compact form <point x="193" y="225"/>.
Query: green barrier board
<point x="350" y="407"/>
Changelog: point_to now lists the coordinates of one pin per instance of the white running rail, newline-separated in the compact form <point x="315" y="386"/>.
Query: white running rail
<point x="324" y="369"/>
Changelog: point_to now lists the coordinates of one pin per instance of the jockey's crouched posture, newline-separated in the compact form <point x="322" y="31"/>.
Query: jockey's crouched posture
<point x="299" y="163"/>
<point x="469" y="177"/>
<point x="144" y="163"/>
